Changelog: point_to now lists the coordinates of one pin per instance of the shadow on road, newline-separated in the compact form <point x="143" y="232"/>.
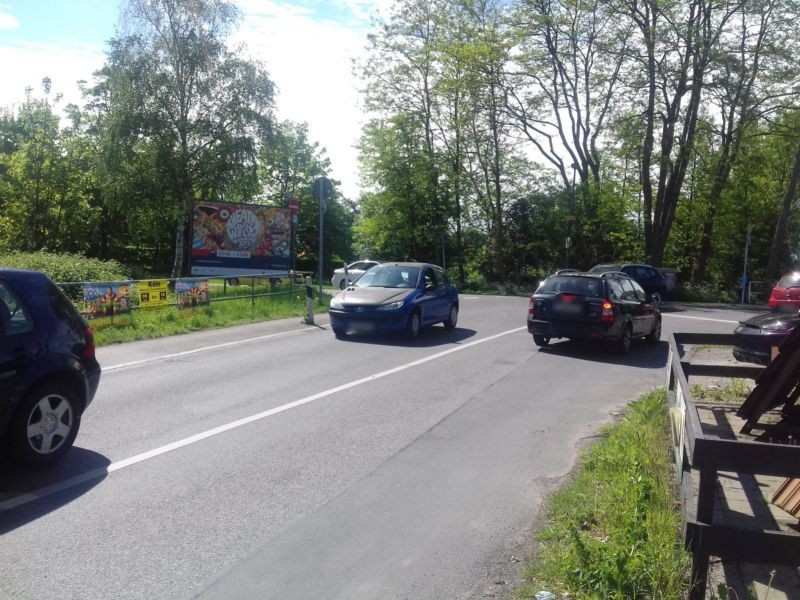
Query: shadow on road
<point x="429" y="337"/>
<point x="27" y="495"/>
<point x="642" y="355"/>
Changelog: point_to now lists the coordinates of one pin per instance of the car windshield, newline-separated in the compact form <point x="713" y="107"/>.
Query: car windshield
<point x="792" y="280"/>
<point x="604" y="268"/>
<point x="389" y="276"/>
<point x="586" y="286"/>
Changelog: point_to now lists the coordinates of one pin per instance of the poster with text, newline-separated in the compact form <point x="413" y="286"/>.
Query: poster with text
<point x="153" y="293"/>
<point x="240" y="239"/>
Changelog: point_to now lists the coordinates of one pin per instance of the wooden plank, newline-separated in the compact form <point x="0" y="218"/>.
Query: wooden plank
<point x="750" y="457"/>
<point x="722" y="371"/>
<point x="729" y="543"/>
<point x="711" y="339"/>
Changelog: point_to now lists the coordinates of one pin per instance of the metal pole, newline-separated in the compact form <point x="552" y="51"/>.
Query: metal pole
<point x="745" y="286"/>
<point x="321" y="251"/>
<point x="309" y="301"/>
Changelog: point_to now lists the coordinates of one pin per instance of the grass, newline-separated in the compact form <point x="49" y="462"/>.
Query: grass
<point x="734" y="392"/>
<point x="614" y="530"/>
<point x="161" y="322"/>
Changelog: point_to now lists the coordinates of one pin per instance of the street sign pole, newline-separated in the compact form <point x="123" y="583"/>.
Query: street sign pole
<point x="745" y="282"/>
<point x="323" y="191"/>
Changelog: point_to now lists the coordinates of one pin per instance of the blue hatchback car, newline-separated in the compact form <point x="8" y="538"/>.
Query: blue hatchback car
<point x="395" y="297"/>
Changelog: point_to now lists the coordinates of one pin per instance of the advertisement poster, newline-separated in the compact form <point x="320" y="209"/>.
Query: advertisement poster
<point x="106" y="300"/>
<point x="153" y="293"/>
<point x="240" y="239"/>
<point x="192" y="292"/>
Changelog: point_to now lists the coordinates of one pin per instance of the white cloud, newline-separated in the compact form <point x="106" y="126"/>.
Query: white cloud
<point x="7" y="20"/>
<point x="26" y="64"/>
<point x="310" y="60"/>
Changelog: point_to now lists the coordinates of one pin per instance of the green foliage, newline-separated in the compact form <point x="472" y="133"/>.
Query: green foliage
<point x="613" y="531"/>
<point x="65" y="267"/>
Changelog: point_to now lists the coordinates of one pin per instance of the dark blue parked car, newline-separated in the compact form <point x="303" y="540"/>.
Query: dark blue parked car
<point x="395" y="297"/>
<point x="48" y="370"/>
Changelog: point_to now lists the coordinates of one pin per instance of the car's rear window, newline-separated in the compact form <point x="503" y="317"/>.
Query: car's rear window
<point x="792" y="280"/>
<point x="587" y="286"/>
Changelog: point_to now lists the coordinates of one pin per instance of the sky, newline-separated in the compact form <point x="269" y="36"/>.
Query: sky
<point x="307" y="47"/>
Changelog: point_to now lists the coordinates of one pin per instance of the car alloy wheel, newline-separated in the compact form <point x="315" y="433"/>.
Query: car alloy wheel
<point x="45" y="425"/>
<point x="452" y="318"/>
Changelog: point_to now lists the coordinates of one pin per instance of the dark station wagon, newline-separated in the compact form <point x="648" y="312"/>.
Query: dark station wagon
<point x="603" y="306"/>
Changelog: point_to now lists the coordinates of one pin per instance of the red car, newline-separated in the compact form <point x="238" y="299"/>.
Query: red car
<point x="786" y="293"/>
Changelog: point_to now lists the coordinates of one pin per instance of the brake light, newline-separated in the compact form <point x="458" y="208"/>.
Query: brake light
<point x="88" y="351"/>
<point x="532" y="308"/>
<point x="607" y="314"/>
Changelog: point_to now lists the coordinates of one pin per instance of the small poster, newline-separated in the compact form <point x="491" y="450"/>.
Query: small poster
<point x="153" y="293"/>
<point x="192" y="292"/>
<point x="106" y="300"/>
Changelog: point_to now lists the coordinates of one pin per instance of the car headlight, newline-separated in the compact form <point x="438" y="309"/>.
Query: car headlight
<point x="336" y="303"/>
<point x="391" y="306"/>
<point x="778" y="326"/>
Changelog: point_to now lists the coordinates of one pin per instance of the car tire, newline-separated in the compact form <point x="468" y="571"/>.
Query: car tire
<point x="339" y="333"/>
<point x="414" y="325"/>
<point x="655" y="335"/>
<point x="53" y="409"/>
<point x="541" y="340"/>
<point x="624" y="343"/>
<point x="452" y="317"/>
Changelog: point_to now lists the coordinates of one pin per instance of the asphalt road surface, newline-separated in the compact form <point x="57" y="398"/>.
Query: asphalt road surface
<point x="274" y="461"/>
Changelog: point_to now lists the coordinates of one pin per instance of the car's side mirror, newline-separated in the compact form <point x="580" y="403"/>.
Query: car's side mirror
<point x="430" y="287"/>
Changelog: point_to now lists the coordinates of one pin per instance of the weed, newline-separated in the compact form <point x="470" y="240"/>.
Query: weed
<point x="614" y="530"/>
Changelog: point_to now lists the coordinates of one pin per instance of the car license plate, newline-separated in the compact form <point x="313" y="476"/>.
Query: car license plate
<point x="362" y="327"/>
<point x="569" y="308"/>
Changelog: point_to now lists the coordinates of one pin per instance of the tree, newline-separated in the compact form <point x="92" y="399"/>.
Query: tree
<point x="175" y="85"/>
<point x="748" y="81"/>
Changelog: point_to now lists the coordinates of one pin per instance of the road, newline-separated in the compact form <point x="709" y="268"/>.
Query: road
<point x="274" y="461"/>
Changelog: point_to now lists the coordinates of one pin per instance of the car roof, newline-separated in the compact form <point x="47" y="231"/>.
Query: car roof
<point x="408" y="264"/>
<point x="578" y="274"/>
<point x="23" y="275"/>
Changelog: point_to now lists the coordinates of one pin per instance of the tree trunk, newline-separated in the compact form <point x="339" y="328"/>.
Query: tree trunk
<point x="778" y="253"/>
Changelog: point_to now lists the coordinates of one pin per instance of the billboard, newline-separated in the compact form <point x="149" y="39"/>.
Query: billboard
<point x="240" y="239"/>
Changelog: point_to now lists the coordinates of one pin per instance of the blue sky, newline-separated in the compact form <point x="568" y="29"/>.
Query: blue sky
<point x="306" y="45"/>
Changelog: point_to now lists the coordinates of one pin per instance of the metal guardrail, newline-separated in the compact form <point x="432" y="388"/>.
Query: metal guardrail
<point x="294" y="280"/>
<point x="705" y="455"/>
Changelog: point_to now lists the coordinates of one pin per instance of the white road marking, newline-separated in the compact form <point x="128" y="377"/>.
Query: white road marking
<point x="152" y="359"/>
<point x="697" y="318"/>
<point x="121" y="464"/>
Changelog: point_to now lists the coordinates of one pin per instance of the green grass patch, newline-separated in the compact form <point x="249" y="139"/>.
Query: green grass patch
<point x="734" y="392"/>
<point x="614" y="530"/>
<point x="161" y="322"/>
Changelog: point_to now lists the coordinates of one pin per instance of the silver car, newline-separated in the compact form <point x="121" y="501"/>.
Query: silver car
<point x="354" y="271"/>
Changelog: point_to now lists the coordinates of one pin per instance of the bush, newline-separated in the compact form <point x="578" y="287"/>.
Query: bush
<point x="65" y="267"/>
<point x="705" y="292"/>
